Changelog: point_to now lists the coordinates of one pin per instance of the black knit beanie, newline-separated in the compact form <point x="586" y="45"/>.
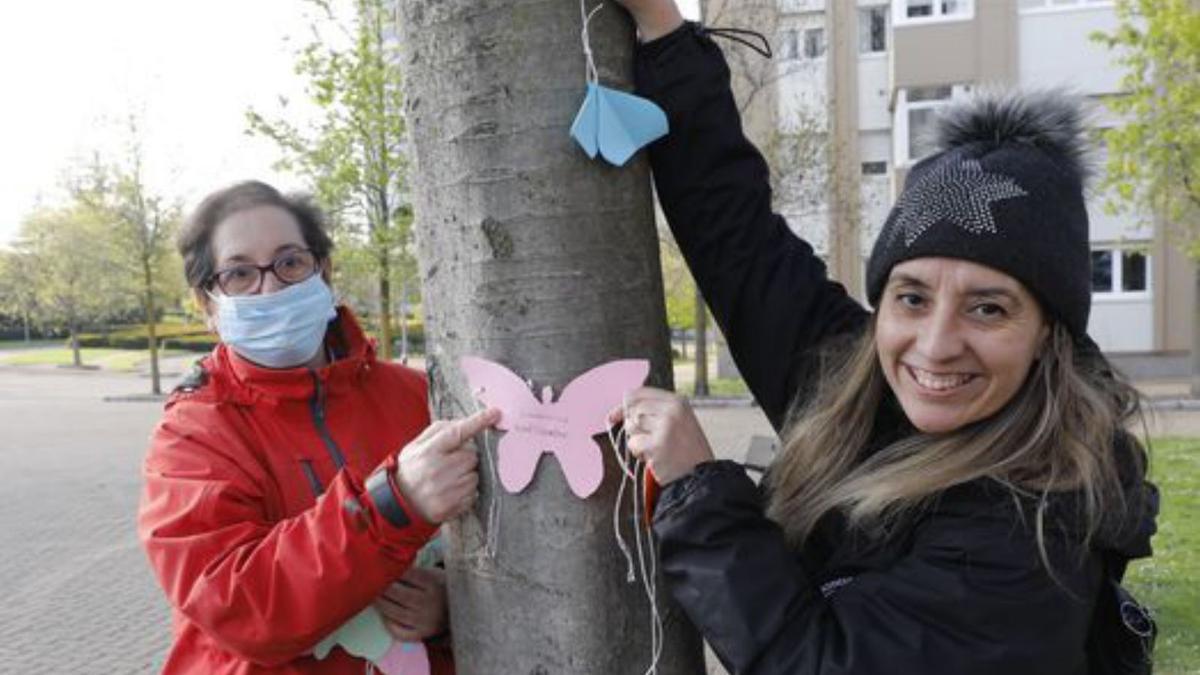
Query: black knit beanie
<point x="1005" y="189"/>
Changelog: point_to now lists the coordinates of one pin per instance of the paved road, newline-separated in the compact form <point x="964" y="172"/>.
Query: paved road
<point x="78" y="596"/>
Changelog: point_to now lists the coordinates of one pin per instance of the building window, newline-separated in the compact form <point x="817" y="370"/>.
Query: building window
<point x="802" y="44"/>
<point x="814" y="43"/>
<point x="1102" y="271"/>
<point x="920" y="11"/>
<point x="874" y="168"/>
<point x="1120" y="272"/>
<point x="916" y="114"/>
<point x="1051" y="5"/>
<point x="1133" y="272"/>
<point x="922" y="94"/>
<point x="789" y="45"/>
<point x="872" y="29"/>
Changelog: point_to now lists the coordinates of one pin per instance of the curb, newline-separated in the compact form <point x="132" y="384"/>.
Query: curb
<point x="1174" y="404"/>
<point x="135" y="398"/>
<point x="723" y="402"/>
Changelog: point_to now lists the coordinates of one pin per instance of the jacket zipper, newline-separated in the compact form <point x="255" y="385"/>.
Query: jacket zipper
<point x="317" y="406"/>
<point x="311" y="474"/>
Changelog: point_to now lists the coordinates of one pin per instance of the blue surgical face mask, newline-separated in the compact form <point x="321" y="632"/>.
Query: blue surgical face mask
<point x="283" y="329"/>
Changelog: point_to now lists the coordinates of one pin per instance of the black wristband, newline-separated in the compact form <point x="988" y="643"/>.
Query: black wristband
<point x="379" y="489"/>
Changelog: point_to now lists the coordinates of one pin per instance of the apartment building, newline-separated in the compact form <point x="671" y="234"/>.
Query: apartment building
<point x="873" y="73"/>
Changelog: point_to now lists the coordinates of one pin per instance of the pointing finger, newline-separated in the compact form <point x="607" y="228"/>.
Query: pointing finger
<point x="458" y="431"/>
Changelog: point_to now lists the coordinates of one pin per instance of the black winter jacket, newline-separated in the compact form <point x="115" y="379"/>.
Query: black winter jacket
<point x="961" y="589"/>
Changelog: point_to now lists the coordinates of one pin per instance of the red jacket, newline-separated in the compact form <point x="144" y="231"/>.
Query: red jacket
<point x="258" y="568"/>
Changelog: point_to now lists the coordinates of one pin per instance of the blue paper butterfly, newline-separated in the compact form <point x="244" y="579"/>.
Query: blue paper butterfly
<point x="611" y="123"/>
<point x="615" y="125"/>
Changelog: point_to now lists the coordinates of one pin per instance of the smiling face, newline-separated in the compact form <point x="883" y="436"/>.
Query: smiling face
<point x="955" y="340"/>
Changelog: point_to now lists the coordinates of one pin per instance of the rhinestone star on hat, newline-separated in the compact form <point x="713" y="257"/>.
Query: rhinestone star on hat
<point x="960" y="192"/>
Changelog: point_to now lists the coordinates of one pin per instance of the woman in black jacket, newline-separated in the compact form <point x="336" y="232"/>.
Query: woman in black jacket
<point x="954" y="474"/>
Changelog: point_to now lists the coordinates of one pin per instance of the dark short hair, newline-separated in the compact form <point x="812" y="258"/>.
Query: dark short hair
<point x="195" y="240"/>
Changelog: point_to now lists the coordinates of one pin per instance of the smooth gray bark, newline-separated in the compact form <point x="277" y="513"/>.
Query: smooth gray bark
<point x="1195" y="388"/>
<point x="539" y="258"/>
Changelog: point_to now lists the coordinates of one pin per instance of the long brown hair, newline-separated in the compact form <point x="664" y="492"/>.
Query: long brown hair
<point x="1056" y="434"/>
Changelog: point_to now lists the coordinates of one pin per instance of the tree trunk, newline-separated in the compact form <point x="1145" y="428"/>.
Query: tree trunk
<point x="151" y="329"/>
<point x="76" y="356"/>
<point x="1196" y="334"/>
<point x="404" y="320"/>
<point x="701" y="385"/>
<point x="385" y="307"/>
<point x="844" y="189"/>
<point x="536" y="257"/>
<point x="25" y="322"/>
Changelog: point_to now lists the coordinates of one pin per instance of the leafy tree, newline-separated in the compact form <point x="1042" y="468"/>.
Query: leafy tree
<point x="18" y="297"/>
<point x="1154" y="156"/>
<point x="72" y="281"/>
<point x="678" y="284"/>
<point x="137" y="233"/>
<point x="353" y="154"/>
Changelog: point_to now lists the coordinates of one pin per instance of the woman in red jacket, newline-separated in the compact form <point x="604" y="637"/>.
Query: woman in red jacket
<point x="276" y="506"/>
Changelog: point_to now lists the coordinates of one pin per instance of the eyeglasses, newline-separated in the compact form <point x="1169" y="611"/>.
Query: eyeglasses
<point x="291" y="267"/>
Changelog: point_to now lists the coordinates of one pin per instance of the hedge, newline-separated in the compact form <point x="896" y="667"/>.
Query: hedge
<point x="196" y="338"/>
<point x="189" y="337"/>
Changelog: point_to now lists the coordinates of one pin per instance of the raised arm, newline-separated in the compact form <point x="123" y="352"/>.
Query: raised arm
<point x="768" y="291"/>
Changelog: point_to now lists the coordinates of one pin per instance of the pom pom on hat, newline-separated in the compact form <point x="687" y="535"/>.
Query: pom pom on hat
<point x="1052" y="121"/>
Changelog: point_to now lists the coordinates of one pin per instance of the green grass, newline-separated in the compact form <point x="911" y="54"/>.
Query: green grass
<point x="727" y="386"/>
<point x="1170" y="581"/>
<point x="685" y="379"/>
<point x="121" y="360"/>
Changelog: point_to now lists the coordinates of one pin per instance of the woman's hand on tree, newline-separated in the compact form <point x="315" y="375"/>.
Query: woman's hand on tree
<point x="662" y="430"/>
<point x="415" y="607"/>
<point x="438" y="471"/>
<point x="654" y="18"/>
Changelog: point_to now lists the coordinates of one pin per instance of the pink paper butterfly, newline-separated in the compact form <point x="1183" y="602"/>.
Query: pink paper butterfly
<point x="366" y="637"/>
<point x="405" y="658"/>
<point x="564" y="427"/>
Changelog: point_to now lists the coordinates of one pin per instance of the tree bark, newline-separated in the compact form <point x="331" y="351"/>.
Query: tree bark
<point x="151" y="329"/>
<point x="845" y="167"/>
<point x="404" y="320"/>
<point x="539" y="258"/>
<point x="385" y="307"/>
<point x="701" y="383"/>
<point x="1196" y="333"/>
<point x="76" y="356"/>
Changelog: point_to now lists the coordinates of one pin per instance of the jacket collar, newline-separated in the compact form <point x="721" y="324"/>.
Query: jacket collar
<point x="354" y="355"/>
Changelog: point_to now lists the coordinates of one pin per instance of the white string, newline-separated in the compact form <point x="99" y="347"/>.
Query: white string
<point x="593" y="76"/>
<point x="492" y="536"/>
<point x="626" y="474"/>
<point x="647" y="559"/>
<point x="649" y="581"/>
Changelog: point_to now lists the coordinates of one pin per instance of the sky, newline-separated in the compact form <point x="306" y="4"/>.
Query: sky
<point x="74" y="72"/>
